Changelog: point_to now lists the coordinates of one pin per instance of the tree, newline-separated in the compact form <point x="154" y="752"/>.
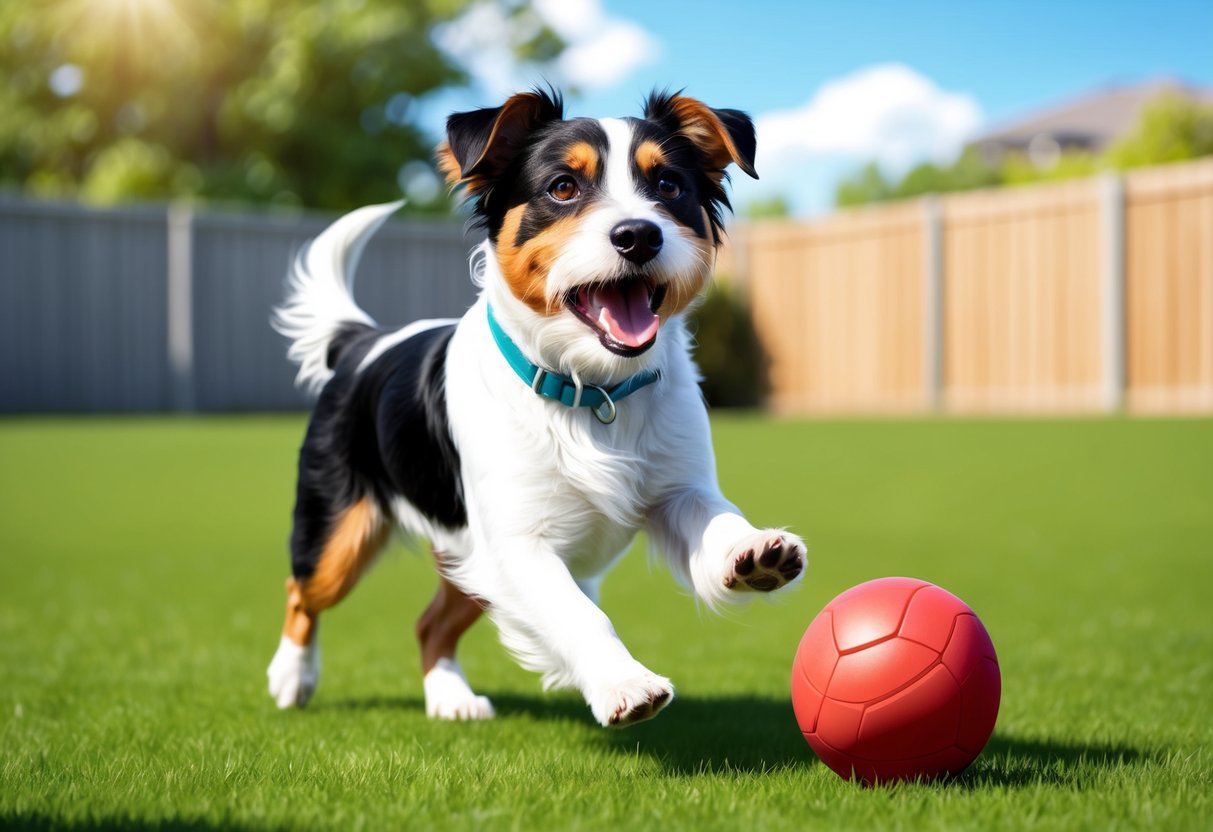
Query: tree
<point x="969" y="171"/>
<point x="296" y="102"/>
<point x="868" y="184"/>
<point x="728" y="351"/>
<point x="1171" y="128"/>
<point x="774" y="207"/>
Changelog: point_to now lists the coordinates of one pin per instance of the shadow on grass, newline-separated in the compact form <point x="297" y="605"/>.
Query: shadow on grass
<point x="694" y="735"/>
<point x="754" y="734"/>
<point x="370" y="703"/>
<point x="1016" y="762"/>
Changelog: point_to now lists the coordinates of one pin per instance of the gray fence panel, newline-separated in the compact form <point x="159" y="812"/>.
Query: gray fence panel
<point x="409" y="270"/>
<point x="82" y="308"/>
<point x="417" y="270"/>
<point x="84" y="322"/>
<point x="238" y="270"/>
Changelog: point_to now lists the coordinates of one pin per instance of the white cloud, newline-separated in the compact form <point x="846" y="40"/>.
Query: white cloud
<point x="609" y="56"/>
<point x="482" y="39"/>
<point x="601" y="51"/>
<point x="571" y="19"/>
<point x="887" y="113"/>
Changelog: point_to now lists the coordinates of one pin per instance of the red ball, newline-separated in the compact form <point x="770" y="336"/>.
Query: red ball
<point x="896" y="679"/>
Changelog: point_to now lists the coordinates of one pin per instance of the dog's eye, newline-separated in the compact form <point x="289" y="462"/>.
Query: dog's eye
<point x="564" y="189"/>
<point x="669" y="187"/>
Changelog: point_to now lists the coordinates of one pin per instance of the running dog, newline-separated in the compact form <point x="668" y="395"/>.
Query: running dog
<point x="532" y="438"/>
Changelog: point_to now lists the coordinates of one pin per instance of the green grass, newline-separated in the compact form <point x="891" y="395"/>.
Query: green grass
<point x="141" y="569"/>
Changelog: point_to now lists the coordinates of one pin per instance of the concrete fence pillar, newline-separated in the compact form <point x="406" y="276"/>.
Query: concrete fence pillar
<point x="1112" y="289"/>
<point x="933" y="288"/>
<point x="180" y="293"/>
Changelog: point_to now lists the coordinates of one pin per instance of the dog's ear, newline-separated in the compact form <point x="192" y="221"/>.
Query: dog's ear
<point x="480" y="144"/>
<point x="722" y="136"/>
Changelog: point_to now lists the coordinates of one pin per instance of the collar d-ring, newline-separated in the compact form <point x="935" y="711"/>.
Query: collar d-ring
<point x="604" y="412"/>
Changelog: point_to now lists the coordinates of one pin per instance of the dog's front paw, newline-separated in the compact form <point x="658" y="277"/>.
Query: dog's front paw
<point x="764" y="561"/>
<point x="293" y="674"/>
<point x="632" y="700"/>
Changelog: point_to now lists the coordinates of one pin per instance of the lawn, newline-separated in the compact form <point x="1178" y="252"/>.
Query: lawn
<point x="141" y="569"/>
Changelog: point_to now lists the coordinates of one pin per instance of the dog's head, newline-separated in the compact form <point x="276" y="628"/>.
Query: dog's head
<point x="601" y="228"/>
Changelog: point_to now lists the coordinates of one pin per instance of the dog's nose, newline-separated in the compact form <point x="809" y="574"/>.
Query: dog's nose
<point x="637" y="240"/>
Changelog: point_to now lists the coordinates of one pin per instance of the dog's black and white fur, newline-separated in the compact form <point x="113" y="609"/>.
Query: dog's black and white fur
<point x="601" y="235"/>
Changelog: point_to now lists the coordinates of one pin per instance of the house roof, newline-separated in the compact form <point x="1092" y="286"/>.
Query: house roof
<point x="1093" y="119"/>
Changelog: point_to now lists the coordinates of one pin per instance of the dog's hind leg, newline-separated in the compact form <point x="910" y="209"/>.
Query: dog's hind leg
<point x="447" y="692"/>
<point x="346" y="547"/>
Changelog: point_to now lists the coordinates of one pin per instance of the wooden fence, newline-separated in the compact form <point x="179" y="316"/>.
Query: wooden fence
<point x="1087" y="296"/>
<point x="1084" y="296"/>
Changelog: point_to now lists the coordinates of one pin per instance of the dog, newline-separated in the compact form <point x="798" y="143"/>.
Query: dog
<point x="529" y="440"/>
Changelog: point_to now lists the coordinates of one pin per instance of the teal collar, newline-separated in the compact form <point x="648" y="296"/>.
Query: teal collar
<point x="569" y="392"/>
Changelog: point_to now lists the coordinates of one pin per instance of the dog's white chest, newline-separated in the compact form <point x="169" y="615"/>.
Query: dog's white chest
<point x="599" y="494"/>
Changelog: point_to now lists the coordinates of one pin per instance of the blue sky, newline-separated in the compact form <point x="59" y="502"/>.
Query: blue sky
<point x="897" y="81"/>
<point x="765" y="55"/>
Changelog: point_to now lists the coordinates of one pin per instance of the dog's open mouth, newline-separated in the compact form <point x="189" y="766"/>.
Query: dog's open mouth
<point x="622" y="312"/>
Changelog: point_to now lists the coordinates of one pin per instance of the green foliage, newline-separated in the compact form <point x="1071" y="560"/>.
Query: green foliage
<point x="295" y="102"/>
<point x="1017" y="169"/>
<point x="1171" y="128"/>
<point x="966" y="173"/>
<point x="728" y="351"/>
<point x="774" y="207"/>
<point x="141" y="597"/>
<point x="868" y="184"/>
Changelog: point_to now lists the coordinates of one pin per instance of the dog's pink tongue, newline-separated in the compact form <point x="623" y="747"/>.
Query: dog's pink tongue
<point x="623" y="311"/>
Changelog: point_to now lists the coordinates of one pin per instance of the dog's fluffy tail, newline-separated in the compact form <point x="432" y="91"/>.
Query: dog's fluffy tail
<point x="320" y="302"/>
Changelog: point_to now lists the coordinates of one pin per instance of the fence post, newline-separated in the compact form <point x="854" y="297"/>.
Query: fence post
<point x="1112" y="280"/>
<point x="932" y="232"/>
<point x="180" y="293"/>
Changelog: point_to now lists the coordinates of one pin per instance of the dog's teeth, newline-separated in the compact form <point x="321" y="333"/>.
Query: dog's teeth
<point x="602" y="319"/>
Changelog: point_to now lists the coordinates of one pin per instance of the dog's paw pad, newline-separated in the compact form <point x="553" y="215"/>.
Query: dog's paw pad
<point x="636" y="700"/>
<point x="766" y="563"/>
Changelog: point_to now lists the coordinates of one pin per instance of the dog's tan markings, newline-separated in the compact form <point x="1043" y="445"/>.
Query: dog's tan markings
<point x="683" y="291"/>
<point x="300" y="625"/>
<point x="356" y="538"/>
<point x="706" y="131"/>
<point x="649" y="156"/>
<point x="515" y="119"/>
<point x="525" y="268"/>
<point x="448" y="165"/>
<point x="445" y="620"/>
<point x="517" y="116"/>
<point x="583" y="158"/>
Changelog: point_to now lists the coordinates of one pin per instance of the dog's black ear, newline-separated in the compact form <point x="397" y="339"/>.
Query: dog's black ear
<point x="480" y="144"/>
<point x="722" y="136"/>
